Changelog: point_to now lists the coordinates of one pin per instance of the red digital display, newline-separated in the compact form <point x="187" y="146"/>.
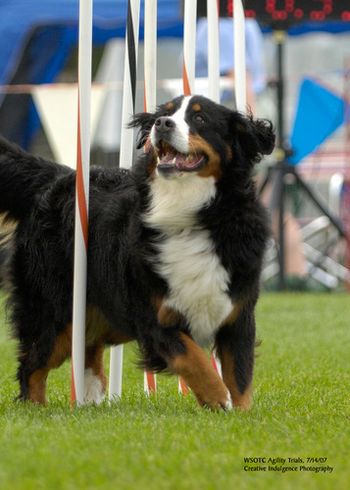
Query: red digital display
<point x="287" y="12"/>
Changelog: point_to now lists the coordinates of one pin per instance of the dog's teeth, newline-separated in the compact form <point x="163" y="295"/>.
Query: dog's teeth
<point x="158" y="160"/>
<point x="173" y="161"/>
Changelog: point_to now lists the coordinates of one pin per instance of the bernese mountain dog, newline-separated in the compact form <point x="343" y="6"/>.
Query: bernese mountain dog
<point x="175" y="251"/>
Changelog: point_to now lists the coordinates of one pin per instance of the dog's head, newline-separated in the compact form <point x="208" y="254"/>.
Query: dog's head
<point x="193" y="134"/>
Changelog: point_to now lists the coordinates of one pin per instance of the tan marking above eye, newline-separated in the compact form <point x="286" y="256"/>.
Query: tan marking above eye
<point x="170" y="106"/>
<point x="196" y="107"/>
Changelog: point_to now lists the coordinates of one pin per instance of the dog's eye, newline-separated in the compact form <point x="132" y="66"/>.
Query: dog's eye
<point x="198" y="119"/>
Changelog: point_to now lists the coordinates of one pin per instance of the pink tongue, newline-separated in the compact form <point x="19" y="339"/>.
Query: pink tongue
<point x="181" y="161"/>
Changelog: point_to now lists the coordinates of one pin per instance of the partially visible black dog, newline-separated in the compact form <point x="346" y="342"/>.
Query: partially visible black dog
<point x="175" y="253"/>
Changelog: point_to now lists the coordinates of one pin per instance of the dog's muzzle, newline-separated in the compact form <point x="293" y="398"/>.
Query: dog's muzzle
<point x="164" y="125"/>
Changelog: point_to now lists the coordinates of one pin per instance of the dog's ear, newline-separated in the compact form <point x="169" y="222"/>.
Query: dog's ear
<point x="255" y="136"/>
<point x="144" y="121"/>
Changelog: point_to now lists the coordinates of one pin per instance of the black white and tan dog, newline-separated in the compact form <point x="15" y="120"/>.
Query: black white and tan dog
<point x="175" y="253"/>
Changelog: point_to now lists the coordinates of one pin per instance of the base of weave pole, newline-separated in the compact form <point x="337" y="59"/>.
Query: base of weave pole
<point x="72" y="389"/>
<point x="115" y="373"/>
<point x="150" y="383"/>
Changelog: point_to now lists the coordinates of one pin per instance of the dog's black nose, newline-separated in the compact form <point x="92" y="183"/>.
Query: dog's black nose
<point x="164" y="124"/>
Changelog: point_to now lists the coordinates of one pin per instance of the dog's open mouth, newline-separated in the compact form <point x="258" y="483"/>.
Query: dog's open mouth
<point x="169" y="159"/>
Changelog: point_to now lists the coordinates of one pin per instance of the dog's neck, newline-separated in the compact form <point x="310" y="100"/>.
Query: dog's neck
<point x="175" y="202"/>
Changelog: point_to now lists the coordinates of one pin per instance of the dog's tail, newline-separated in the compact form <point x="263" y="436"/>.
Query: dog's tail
<point x="22" y="178"/>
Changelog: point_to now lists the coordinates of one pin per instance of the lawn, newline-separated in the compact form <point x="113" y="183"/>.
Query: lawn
<point x="301" y="409"/>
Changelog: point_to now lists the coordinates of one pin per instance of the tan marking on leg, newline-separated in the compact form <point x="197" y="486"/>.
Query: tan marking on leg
<point x="213" y="166"/>
<point x="96" y="325"/>
<point x="195" y="368"/>
<point x="99" y="330"/>
<point x="37" y="386"/>
<point x="231" y="317"/>
<point x="239" y="400"/>
<point x="60" y="352"/>
<point x="62" y="348"/>
<point x="167" y="317"/>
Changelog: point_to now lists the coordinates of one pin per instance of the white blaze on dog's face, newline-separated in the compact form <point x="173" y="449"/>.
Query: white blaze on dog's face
<point x="180" y="131"/>
<point x="177" y="141"/>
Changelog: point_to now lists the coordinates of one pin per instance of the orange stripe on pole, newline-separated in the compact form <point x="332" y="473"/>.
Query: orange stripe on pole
<point x="185" y="81"/>
<point x="214" y="364"/>
<point x="81" y="203"/>
<point x="183" y="387"/>
<point x="151" y="382"/>
<point x="80" y="187"/>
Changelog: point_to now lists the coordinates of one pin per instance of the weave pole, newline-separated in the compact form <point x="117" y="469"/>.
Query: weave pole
<point x="189" y="57"/>
<point x="188" y="79"/>
<point x="213" y="51"/>
<point x="213" y="85"/>
<point x="81" y="202"/>
<point x="239" y="56"/>
<point x="149" y="105"/>
<point x="126" y="156"/>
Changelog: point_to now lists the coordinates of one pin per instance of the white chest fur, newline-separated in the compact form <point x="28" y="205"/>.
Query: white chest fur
<point x="198" y="283"/>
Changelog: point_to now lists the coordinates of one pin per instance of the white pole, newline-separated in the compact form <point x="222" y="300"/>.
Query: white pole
<point x="213" y="51"/>
<point x="81" y="201"/>
<point x="189" y="76"/>
<point x="116" y="373"/>
<point x="126" y="156"/>
<point x="190" y="18"/>
<point x="150" y="102"/>
<point x="129" y="83"/>
<point x="239" y="56"/>
<point x="150" y="55"/>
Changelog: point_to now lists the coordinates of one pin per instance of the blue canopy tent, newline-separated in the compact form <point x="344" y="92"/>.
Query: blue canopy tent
<point x="38" y="37"/>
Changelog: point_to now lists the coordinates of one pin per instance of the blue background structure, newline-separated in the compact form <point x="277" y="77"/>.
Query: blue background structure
<point x="38" y="36"/>
<point x="319" y="113"/>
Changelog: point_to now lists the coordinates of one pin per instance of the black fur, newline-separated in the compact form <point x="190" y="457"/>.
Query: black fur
<point x="122" y="279"/>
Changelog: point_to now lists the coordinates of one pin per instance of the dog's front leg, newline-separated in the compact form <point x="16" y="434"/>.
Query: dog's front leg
<point x="235" y="346"/>
<point x="195" y="368"/>
<point x="168" y="347"/>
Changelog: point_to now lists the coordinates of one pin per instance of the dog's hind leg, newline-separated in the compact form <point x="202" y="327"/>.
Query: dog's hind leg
<point x="95" y="379"/>
<point x="235" y="346"/>
<point x="36" y="359"/>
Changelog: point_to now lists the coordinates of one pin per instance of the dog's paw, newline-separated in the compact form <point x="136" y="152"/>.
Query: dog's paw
<point x="218" y="400"/>
<point x="94" y="390"/>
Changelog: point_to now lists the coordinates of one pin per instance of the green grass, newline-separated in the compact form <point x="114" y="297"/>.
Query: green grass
<point x="301" y="409"/>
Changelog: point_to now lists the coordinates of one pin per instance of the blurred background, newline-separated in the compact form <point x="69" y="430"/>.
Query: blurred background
<point x="38" y="75"/>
